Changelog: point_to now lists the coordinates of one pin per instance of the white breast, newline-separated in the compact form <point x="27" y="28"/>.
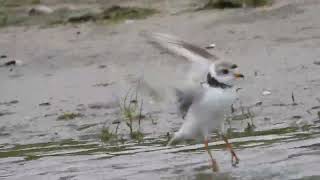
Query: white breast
<point x="208" y="113"/>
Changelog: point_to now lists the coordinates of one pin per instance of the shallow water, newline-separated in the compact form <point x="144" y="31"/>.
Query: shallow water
<point x="292" y="154"/>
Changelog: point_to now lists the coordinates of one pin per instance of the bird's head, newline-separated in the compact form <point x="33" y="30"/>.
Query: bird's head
<point x="223" y="72"/>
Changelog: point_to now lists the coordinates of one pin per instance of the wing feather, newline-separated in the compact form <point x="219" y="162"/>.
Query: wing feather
<point x="179" y="47"/>
<point x="200" y="60"/>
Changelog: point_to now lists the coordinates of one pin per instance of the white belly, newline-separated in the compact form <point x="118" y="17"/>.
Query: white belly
<point x="208" y="113"/>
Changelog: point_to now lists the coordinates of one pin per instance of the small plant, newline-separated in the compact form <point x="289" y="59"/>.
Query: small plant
<point x="132" y="111"/>
<point x="31" y="157"/>
<point x="241" y="117"/>
<point x="137" y="135"/>
<point x="250" y="128"/>
<point x="107" y="136"/>
<point x="69" y="116"/>
<point x="131" y="114"/>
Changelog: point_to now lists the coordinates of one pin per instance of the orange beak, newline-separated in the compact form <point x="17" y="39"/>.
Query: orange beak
<point x="238" y="75"/>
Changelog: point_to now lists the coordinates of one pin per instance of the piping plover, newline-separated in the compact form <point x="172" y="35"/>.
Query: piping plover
<point x="206" y="101"/>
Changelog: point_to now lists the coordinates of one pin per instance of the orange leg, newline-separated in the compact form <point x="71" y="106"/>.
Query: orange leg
<point x="234" y="157"/>
<point x="215" y="167"/>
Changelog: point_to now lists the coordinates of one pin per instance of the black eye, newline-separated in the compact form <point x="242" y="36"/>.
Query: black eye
<point x="234" y="66"/>
<point x="225" y="71"/>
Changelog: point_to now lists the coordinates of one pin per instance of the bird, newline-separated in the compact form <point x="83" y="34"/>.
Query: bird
<point x="206" y="100"/>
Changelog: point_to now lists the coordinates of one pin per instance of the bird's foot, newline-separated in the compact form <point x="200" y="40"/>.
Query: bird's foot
<point x="215" y="167"/>
<point x="234" y="160"/>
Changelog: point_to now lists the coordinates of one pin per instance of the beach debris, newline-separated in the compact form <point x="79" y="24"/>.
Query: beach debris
<point x="4" y="113"/>
<point x="81" y="16"/>
<point x="117" y="121"/>
<point x="296" y="117"/>
<point x="11" y="63"/>
<point x="14" y="75"/>
<point x="103" y="84"/>
<point x="9" y="103"/>
<point x="279" y="104"/>
<point x="81" y="107"/>
<point x="129" y="21"/>
<point x="85" y="126"/>
<point x="250" y="128"/>
<point x="45" y="104"/>
<point x="315" y="107"/>
<point x="292" y="97"/>
<point x="40" y="10"/>
<point x="242" y="116"/>
<point x="293" y="100"/>
<point x="238" y="89"/>
<point x="69" y="116"/>
<point x="232" y="109"/>
<point x="309" y="112"/>
<point x="266" y="118"/>
<point x="258" y="103"/>
<point x="102" y="66"/>
<point x="301" y="123"/>
<point x="316" y="62"/>
<point x="118" y="13"/>
<point x="50" y="114"/>
<point x="266" y="93"/>
<point x="211" y="46"/>
<point x="103" y="105"/>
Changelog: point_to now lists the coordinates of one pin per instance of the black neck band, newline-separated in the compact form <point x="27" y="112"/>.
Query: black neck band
<point x="214" y="83"/>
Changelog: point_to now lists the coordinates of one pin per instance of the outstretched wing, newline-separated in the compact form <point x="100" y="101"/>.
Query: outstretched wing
<point x="200" y="59"/>
<point x="177" y="46"/>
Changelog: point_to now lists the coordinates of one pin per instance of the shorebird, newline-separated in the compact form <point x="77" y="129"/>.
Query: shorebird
<point x="207" y="99"/>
